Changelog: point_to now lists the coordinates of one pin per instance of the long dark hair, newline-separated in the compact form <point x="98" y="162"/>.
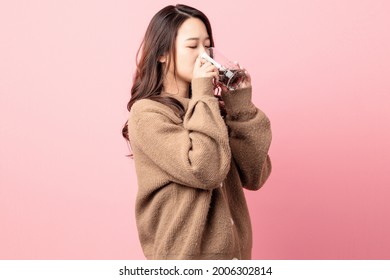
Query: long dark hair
<point x="160" y="40"/>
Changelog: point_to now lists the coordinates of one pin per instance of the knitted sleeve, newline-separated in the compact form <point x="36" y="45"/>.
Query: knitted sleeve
<point x="195" y="151"/>
<point x="250" y="138"/>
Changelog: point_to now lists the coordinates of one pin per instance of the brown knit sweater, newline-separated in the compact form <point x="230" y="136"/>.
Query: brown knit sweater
<point x="191" y="173"/>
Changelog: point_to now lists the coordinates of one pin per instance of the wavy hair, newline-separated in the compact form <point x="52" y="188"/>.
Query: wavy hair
<point x="159" y="40"/>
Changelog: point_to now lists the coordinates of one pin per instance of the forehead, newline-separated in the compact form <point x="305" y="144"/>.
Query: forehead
<point x="192" y="28"/>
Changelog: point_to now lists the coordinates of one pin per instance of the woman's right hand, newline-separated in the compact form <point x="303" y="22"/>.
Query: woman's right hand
<point x="203" y="68"/>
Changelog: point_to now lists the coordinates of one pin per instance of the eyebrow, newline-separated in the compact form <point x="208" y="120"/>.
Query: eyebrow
<point x="196" y="38"/>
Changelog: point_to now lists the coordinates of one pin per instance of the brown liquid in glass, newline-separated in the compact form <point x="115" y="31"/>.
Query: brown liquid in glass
<point x="236" y="78"/>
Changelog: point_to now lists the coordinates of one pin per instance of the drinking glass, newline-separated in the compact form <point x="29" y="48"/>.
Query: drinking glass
<point x="230" y="74"/>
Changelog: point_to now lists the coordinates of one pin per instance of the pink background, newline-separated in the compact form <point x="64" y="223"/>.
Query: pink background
<point x="320" y="71"/>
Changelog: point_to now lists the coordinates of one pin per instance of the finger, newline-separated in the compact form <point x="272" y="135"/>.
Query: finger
<point x="224" y="89"/>
<point x="216" y="74"/>
<point x="248" y="76"/>
<point x="209" y="67"/>
<point x="203" y="61"/>
<point x="212" y="74"/>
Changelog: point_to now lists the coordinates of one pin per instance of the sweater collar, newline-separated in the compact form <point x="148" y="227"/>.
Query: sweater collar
<point x="183" y="100"/>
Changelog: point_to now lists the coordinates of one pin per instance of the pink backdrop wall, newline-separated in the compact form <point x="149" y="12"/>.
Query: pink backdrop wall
<point x="320" y="71"/>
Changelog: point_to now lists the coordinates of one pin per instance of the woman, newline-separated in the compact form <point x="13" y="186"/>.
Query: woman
<point x="191" y="163"/>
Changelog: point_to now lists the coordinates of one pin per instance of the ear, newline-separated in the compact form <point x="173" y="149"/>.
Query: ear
<point x="163" y="59"/>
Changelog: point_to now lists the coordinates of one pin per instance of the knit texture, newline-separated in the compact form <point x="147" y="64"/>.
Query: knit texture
<point x="191" y="173"/>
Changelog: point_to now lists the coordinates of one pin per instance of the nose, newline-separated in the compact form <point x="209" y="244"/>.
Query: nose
<point x="203" y="49"/>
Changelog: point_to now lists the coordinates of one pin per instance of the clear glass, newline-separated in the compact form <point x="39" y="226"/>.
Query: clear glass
<point x="230" y="74"/>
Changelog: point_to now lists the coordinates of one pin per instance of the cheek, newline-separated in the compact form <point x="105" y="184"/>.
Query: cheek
<point x="189" y="62"/>
<point x="192" y="63"/>
<point x="186" y="61"/>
